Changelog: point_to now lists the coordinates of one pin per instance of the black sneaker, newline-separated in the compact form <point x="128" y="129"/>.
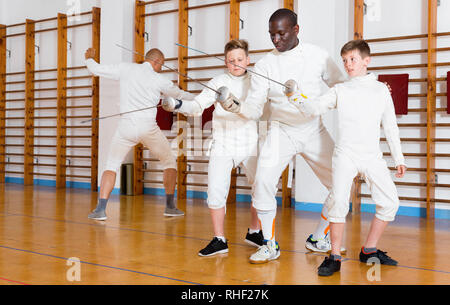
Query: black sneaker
<point x="380" y="255"/>
<point x="254" y="239"/>
<point x="216" y="246"/>
<point x="329" y="266"/>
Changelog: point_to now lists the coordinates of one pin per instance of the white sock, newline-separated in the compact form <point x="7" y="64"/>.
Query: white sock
<point x="323" y="227"/>
<point x="251" y="231"/>
<point x="222" y="238"/>
<point x="267" y="220"/>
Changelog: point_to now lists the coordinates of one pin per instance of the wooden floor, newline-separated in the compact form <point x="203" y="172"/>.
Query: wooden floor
<point x="41" y="228"/>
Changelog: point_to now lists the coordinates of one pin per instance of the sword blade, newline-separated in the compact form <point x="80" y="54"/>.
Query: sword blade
<point x="122" y="113"/>
<point x="171" y="69"/>
<point x="196" y="50"/>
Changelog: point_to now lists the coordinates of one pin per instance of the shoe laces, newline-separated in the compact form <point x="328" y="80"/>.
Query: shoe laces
<point x="215" y="240"/>
<point x="266" y="249"/>
<point x="327" y="262"/>
<point x="263" y="249"/>
<point x="382" y="255"/>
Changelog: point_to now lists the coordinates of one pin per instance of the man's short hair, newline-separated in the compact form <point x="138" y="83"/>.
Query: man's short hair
<point x="236" y="44"/>
<point x="284" y="13"/>
<point x="154" y="54"/>
<point x="361" y="45"/>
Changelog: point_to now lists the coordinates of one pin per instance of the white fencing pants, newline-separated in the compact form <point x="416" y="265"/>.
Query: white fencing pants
<point x="378" y="178"/>
<point x="221" y="162"/>
<point x="282" y="143"/>
<point x="131" y="132"/>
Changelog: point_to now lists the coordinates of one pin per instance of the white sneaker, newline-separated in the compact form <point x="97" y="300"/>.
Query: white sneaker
<point x="320" y="245"/>
<point x="265" y="253"/>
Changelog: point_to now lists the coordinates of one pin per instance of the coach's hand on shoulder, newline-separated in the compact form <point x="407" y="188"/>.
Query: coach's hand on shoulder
<point x="170" y="104"/>
<point x="90" y="53"/>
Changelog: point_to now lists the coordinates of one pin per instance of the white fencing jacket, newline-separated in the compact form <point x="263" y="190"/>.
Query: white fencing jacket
<point x="362" y="103"/>
<point x="310" y="66"/>
<point x="226" y="126"/>
<point x="140" y="86"/>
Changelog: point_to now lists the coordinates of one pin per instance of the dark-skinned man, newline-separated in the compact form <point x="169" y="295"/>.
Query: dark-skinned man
<point x="290" y="131"/>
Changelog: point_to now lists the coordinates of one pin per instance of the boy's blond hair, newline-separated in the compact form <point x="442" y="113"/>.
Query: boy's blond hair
<point x="236" y="44"/>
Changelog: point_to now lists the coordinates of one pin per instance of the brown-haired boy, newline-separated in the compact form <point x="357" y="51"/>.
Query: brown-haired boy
<point x="362" y="104"/>
<point x="235" y="140"/>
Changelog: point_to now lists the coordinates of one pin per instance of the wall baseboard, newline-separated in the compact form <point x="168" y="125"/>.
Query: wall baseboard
<point x="370" y="208"/>
<point x="301" y="206"/>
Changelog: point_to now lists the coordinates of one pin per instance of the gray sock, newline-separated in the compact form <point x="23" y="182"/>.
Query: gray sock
<point x="369" y="250"/>
<point x="101" y="205"/>
<point x="169" y="201"/>
<point x="335" y="257"/>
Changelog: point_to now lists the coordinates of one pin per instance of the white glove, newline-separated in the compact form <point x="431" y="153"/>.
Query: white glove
<point x="231" y="104"/>
<point x="170" y="104"/>
<point x="227" y="100"/>
<point x="298" y="99"/>
<point x="290" y="87"/>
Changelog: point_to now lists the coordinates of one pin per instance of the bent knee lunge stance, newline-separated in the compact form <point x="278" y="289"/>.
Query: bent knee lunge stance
<point x="141" y="86"/>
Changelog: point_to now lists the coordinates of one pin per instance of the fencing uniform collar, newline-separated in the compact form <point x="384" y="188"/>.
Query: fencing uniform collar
<point x="295" y="50"/>
<point x="243" y="76"/>
<point x="368" y="76"/>
<point x="148" y="65"/>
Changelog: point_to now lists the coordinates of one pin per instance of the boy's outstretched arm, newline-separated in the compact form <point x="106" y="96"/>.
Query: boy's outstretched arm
<point x="315" y="106"/>
<point x="195" y="105"/>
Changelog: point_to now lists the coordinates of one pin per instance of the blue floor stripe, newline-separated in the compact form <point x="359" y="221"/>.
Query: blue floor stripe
<point x="99" y="265"/>
<point x="194" y="238"/>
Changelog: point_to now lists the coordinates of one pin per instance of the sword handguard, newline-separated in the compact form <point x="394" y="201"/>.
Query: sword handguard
<point x="170" y="104"/>
<point x="290" y="88"/>
<point x="222" y="94"/>
<point x="228" y="101"/>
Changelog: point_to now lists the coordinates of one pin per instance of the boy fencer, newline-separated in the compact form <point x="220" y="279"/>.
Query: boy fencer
<point x="362" y="104"/>
<point x="235" y="142"/>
